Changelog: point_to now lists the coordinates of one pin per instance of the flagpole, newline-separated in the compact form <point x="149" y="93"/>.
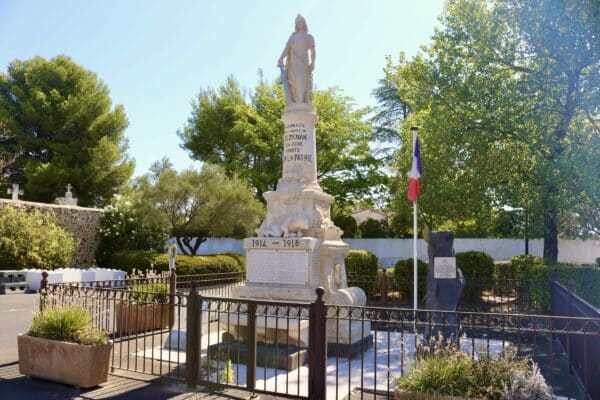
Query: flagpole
<point x="414" y="187"/>
<point x="415" y="256"/>
<point x="415" y="130"/>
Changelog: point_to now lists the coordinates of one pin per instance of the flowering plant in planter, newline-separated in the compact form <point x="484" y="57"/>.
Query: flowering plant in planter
<point x="443" y="371"/>
<point x="63" y="346"/>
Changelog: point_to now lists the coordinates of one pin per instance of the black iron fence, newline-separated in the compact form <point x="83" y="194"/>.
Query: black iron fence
<point x="485" y="295"/>
<point x="312" y="350"/>
<point x="137" y="318"/>
<point x="583" y="350"/>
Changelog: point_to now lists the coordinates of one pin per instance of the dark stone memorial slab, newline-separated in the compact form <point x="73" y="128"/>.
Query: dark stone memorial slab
<point x="350" y="350"/>
<point x="269" y="355"/>
<point x="444" y="285"/>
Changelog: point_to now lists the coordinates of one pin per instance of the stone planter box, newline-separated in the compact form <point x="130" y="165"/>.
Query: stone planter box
<point x="134" y="318"/>
<point x="64" y="362"/>
<point x="404" y="395"/>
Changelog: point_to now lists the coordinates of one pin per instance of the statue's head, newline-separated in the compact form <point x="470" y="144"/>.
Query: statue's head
<point x="301" y="24"/>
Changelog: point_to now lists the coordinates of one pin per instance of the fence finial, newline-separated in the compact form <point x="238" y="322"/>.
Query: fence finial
<point x="44" y="283"/>
<point x="320" y="293"/>
<point x="571" y="285"/>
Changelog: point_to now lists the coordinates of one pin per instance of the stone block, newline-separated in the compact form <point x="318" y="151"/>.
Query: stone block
<point x="11" y="276"/>
<point x="13" y="287"/>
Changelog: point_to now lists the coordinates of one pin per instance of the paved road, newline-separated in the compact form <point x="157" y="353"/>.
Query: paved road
<point x="16" y="313"/>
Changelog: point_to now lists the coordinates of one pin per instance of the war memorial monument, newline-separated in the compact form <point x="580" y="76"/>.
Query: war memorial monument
<point x="298" y="249"/>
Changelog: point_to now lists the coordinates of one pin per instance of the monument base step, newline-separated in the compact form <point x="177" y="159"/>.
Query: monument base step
<point x="350" y="350"/>
<point x="277" y="356"/>
<point x="13" y="288"/>
<point x="271" y="329"/>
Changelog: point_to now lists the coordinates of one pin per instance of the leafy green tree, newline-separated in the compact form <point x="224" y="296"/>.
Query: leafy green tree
<point x="244" y="134"/>
<point x="507" y="97"/>
<point x="347" y="224"/>
<point x="61" y="114"/>
<point x="389" y="112"/>
<point x="196" y="205"/>
<point x="372" y="228"/>
<point x="7" y="158"/>
<point x="400" y="223"/>
<point x="130" y="223"/>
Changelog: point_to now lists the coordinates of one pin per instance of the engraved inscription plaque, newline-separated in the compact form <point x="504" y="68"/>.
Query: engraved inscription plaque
<point x="444" y="267"/>
<point x="275" y="266"/>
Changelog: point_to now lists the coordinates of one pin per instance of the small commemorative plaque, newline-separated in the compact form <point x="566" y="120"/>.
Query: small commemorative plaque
<point x="444" y="267"/>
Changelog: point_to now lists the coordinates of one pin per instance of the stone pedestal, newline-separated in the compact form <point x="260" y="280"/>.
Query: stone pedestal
<point x="291" y="269"/>
<point x="299" y="148"/>
<point x="444" y="287"/>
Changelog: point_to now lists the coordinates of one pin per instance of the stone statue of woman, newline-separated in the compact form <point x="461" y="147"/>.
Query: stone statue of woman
<point x="298" y="64"/>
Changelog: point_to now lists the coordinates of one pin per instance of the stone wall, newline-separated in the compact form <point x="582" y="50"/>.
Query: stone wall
<point x="83" y="223"/>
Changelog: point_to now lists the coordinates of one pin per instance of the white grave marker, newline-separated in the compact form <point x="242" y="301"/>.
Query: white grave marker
<point x="15" y="191"/>
<point x="68" y="200"/>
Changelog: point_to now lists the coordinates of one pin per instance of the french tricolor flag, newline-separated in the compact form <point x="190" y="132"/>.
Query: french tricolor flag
<point x="414" y="184"/>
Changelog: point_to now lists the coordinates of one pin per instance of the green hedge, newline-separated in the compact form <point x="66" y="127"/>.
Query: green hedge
<point x="403" y="279"/>
<point x="502" y="270"/>
<point x="586" y="278"/>
<point x="32" y="239"/>
<point x="478" y="269"/>
<point x="361" y="262"/>
<point x="128" y="260"/>
<point x="519" y="265"/>
<point x="536" y="276"/>
<point x="362" y="268"/>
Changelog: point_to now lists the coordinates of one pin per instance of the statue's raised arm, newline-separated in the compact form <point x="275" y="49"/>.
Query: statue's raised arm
<point x="299" y="55"/>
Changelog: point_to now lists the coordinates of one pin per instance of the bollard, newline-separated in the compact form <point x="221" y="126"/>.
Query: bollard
<point x="317" y="347"/>
<point x="43" y="290"/>
<point x="384" y="287"/>
<point x="571" y="286"/>
<point x="251" y="367"/>
<point x="172" y="291"/>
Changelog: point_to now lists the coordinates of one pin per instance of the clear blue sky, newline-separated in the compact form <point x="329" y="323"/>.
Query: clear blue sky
<point x="156" y="55"/>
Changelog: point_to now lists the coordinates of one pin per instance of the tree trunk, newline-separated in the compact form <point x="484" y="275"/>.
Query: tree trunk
<point x="186" y="246"/>
<point x="550" y="211"/>
<point x="550" y="200"/>
<point x="183" y="246"/>
<point x="551" y="238"/>
<point x="197" y="243"/>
